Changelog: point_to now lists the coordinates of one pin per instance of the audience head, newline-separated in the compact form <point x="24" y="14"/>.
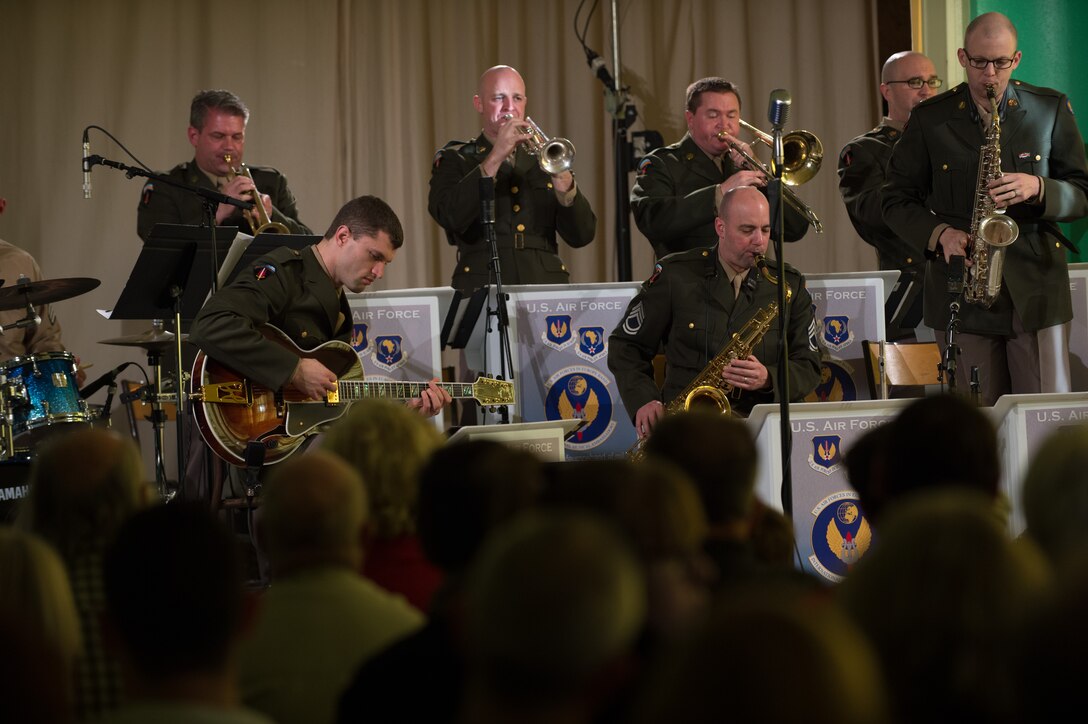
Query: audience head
<point x="313" y="508"/>
<point x="465" y="491"/>
<point x="940" y="595"/>
<point x="935" y="442"/>
<point x="387" y="444"/>
<point x="719" y="454"/>
<point x="174" y="595"/>
<point x="83" y="485"/>
<point x="555" y="602"/>
<point x="36" y="594"/>
<point x="1055" y="494"/>
<point x="770" y="653"/>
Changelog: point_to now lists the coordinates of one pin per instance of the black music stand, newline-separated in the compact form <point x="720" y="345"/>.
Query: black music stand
<point x="170" y="279"/>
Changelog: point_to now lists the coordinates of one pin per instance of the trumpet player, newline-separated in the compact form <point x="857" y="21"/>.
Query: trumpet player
<point x="532" y="205"/>
<point x="217" y="132"/>
<point x="678" y="188"/>
<point x="1019" y="343"/>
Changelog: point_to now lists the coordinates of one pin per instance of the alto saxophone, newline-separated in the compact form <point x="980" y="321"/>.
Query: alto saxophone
<point x="991" y="231"/>
<point x="709" y="389"/>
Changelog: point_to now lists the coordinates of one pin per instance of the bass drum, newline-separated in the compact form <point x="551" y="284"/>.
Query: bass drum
<point x="40" y="396"/>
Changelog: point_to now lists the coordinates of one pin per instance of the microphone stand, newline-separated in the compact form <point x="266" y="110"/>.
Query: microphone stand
<point x="623" y="115"/>
<point x="785" y="431"/>
<point x="501" y="313"/>
<point x="212" y="199"/>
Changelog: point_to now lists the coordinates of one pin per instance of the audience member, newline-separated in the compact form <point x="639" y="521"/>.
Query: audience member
<point x="364" y="438"/>
<point x="35" y="596"/>
<point x="555" y="603"/>
<point x="465" y="491"/>
<point x="720" y="456"/>
<point x="320" y="619"/>
<point x="175" y="614"/>
<point x="1055" y="495"/>
<point x="935" y="442"/>
<point x="771" y="654"/>
<point x="78" y="507"/>
<point x="940" y="596"/>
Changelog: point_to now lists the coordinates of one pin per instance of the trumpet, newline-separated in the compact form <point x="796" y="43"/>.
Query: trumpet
<point x="799" y="164"/>
<point x="555" y="155"/>
<point x="258" y="219"/>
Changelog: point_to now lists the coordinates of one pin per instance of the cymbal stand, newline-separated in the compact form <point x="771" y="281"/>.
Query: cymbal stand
<point x="151" y="392"/>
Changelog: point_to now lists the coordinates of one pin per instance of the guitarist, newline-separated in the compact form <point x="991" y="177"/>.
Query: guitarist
<point x="302" y="293"/>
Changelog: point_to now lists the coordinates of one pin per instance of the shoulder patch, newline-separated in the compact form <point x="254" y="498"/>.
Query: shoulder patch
<point x="1069" y="105"/>
<point x="644" y="165"/>
<point x="655" y="275"/>
<point x="263" y="271"/>
<point x="846" y="157"/>
<point x="145" y="195"/>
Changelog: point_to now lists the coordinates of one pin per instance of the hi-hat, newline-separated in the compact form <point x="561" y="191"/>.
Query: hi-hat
<point x="153" y="339"/>
<point x="20" y="294"/>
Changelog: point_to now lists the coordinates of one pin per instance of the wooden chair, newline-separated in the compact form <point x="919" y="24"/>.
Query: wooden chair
<point x="906" y="365"/>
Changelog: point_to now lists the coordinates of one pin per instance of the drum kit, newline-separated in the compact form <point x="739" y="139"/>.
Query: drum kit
<point x="39" y="394"/>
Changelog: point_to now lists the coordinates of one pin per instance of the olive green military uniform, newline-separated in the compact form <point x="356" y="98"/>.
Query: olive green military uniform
<point x="286" y="288"/>
<point x="673" y="199"/>
<point x="164" y="204"/>
<point x="689" y="306"/>
<point x="863" y="163"/>
<point x="932" y="178"/>
<point x="528" y="216"/>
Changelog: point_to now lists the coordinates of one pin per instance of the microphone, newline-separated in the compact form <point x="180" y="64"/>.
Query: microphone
<point x="596" y="64"/>
<point x="106" y="379"/>
<point x="86" y="165"/>
<point x="487" y="199"/>
<point x="779" y="110"/>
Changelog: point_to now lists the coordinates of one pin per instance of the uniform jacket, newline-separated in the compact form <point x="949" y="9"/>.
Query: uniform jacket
<point x="862" y="166"/>
<point x="527" y="217"/>
<point x="286" y="288"/>
<point x="164" y="204"/>
<point x="932" y="177"/>
<point x="688" y="306"/>
<point x="673" y="199"/>
<point x="23" y="341"/>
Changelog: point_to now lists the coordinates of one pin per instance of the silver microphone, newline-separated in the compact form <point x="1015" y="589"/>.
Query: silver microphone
<point x="86" y="166"/>
<point x="779" y="110"/>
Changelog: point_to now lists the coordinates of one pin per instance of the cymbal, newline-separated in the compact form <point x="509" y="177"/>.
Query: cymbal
<point x="151" y="340"/>
<point x="45" y="291"/>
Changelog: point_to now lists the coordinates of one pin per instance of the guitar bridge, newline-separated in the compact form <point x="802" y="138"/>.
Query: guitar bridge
<point x="227" y="393"/>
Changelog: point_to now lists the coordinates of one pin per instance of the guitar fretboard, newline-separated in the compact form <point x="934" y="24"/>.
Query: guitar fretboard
<point x="358" y="389"/>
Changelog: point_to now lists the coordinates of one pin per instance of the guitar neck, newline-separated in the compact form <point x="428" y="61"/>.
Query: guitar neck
<point x="359" y="389"/>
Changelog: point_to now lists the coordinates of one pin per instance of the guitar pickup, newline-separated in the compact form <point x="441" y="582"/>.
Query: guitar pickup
<point x="332" y="397"/>
<point x="227" y="393"/>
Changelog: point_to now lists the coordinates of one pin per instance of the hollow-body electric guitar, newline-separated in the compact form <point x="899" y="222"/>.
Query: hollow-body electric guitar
<point x="231" y="411"/>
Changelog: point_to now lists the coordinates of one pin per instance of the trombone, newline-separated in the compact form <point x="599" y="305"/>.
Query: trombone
<point x="802" y="154"/>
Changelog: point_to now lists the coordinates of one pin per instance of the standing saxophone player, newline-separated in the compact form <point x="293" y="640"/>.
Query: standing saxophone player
<point x="531" y="204"/>
<point x="217" y="131"/>
<point x="693" y="304"/>
<point x="1020" y="343"/>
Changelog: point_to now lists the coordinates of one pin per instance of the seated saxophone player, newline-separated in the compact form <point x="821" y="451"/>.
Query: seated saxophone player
<point x="1019" y="343"/>
<point x="217" y="132"/>
<point x="532" y="204"/>
<point x="695" y="302"/>
<point x="678" y="188"/>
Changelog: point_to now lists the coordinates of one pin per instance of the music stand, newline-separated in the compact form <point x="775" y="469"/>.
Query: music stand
<point x="171" y="278"/>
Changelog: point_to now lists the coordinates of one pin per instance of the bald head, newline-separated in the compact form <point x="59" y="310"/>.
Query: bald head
<point x="898" y="70"/>
<point x="499" y="94"/>
<point x="745" y="196"/>
<point x="313" y="510"/>
<point x="989" y="25"/>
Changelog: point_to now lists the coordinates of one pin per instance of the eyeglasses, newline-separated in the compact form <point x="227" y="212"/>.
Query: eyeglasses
<point x="917" y="82"/>
<point x="981" y="63"/>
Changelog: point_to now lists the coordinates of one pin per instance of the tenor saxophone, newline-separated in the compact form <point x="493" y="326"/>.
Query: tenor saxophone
<point x="708" y="390"/>
<point x="991" y="230"/>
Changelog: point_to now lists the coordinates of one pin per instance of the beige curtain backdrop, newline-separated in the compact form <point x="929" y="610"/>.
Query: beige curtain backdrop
<point x="353" y="97"/>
